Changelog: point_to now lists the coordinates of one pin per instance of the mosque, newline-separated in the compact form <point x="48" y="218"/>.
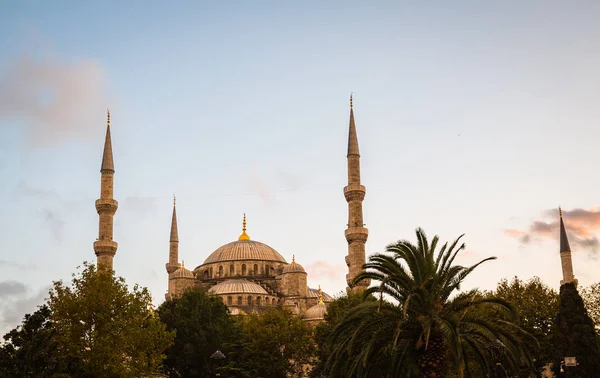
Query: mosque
<point x="246" y="274"/>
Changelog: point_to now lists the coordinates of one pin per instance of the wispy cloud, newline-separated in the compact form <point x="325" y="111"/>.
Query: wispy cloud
<point x="13" y="309"/>
<point x="325" y="270"/>
<point x="16" y="265"/>
<point x="55" y="99"/>
<point x="581" y="224"/>
<point x="10" y="288"/>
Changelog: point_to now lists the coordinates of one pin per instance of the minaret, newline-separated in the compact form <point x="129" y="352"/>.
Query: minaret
<point x="173" y="263"/>
<point x="565" y="254"/>
<point x="106" y="206"/>
<point x="356" y="233"/>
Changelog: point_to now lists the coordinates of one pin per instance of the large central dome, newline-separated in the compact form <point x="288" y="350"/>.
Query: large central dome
<point x="244" y="250"/>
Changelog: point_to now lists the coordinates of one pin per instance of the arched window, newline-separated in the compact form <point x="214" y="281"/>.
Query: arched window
<point x="256" y="269"/>
<point x="229" y="300"/>
<point x="239" y="301"/>
<point x="211" y="272"/>
<point x="267" y="270"/>
<point x="249" y="301"/>
<point x="206" y="274"/>
<point x="267" y="301"/>
<point x="258" y="301"/>
<point x="231" y="270"/>
<point x="220" y="270"/>
<point x="243" y="269"/>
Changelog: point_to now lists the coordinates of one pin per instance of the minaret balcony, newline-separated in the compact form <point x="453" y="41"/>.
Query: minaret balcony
<point x="106" y="206"/>
<point x="356" y="234"/>
<point x="105" y="247"/>
<point x="354" y="192"/>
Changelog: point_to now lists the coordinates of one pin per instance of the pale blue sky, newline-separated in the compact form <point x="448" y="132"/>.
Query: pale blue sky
<point x="475" y="117"/>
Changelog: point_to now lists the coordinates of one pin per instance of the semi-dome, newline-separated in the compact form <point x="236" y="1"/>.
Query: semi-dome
<point x="316" y="312"/>
<point x="182" y="272"/>
<point x="237" y="286"/>
<point x="294" y="267"/>
<point x="314" y="293"/>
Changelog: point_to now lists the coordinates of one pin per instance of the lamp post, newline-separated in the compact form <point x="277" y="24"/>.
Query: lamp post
<point x="219" y="356"/>
<point x="497" y="349"/>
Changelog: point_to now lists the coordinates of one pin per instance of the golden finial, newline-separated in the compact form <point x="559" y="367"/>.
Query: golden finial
<point x="293" y="259"/>
<point x="559" y="212"/>
<point x="107" y="117"/>
<point x="320" y="296"/>
<point x="350" y="100"/>
<point x="244" y="235"/>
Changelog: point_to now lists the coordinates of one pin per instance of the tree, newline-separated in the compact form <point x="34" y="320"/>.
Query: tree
<point x="536" y="306"/>
<point x="422" y="330"/>
<point x="591" y="299"/>
<point x="202" y="326"/>
<point x="274" y="344"/>
<point x="575" y="336"/>
<point x="105" y="329"/>
<point x="29" y="349"/>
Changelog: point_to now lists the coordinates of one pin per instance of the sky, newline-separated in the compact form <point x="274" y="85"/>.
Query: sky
<point x="477" y="118"/>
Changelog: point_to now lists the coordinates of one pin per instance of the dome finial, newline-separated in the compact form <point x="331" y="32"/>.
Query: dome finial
<point x="293" y="259"/>
<point x="350" y="100"/>
<point x="320" y="296"/>
<point x="244" y="235"/>
<point x="107" y="117"/>
<point x="182" y="264"/>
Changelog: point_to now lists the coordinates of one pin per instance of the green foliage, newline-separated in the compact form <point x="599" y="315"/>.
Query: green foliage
<point x="575" y="336"/>
<point x="591" y="298"/>
<point x="422" y="330"/>
<point x="336" y="312"/>
<point x="274" y="344"/>
<point x="536" y="306"/>
<point x="104" y="329"/>
<point x="29" y="349"/>
<point x="202" y="326"/>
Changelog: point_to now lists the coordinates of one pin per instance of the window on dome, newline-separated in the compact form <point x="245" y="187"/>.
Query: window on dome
<point x="211" y="272"/>
<point x="229" y="300"/>
<point x="239" y="301"/>
<point x="267" y="301"/>
<point x="206" y="274"/>
<point x="231" y="270"/>
<point x="243" y="269"/>
<point x="249" y="301"/>
<point x="256" y="269"/>
<point x="267" y="270"/>
<point x="220" y="270"/>
<point x="258" y="301"/>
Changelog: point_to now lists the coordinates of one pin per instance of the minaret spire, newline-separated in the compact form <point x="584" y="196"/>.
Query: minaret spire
<point x="565" y="253"/>
<point x="356" y="233"/>
<point x="173" y="263"/>
<point x="106" y="206"/>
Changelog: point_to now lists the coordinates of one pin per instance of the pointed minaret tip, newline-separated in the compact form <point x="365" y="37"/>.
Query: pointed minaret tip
<point x="108" y="165"/>
<point x="174" y="233"/>
<point x="564" y="241"/>
<point x="244" y="235"/>
<point x="352" y="137"/>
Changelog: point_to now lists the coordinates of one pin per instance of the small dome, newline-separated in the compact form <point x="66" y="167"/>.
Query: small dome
<point x="182" y="272"/>
<point x="237" y="286"/>
<point x="244" y="250"/>
<point x="294" y="267"/>
<point x="314" y="293"/>
<point x="316" y="312"/>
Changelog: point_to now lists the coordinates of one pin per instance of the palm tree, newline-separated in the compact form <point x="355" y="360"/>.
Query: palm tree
<point x="425" y="329"/>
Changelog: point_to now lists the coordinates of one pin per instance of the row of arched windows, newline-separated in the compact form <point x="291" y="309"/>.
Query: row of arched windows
<point x="255" y="272"/>
<point x="258" y="301"/>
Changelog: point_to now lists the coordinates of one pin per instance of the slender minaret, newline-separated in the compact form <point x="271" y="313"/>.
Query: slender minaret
<point x="565" y="254"/>
<point x="106" y="206"/>
<point x="356" y="233"/>
<point x="173" y="263"/>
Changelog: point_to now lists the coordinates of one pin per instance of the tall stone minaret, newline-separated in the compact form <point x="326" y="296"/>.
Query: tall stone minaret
<point x="565" y="254"/>
<point x="106" y="206"/>
<point x="173" y="263"/>
<point x="356" y="233"/>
